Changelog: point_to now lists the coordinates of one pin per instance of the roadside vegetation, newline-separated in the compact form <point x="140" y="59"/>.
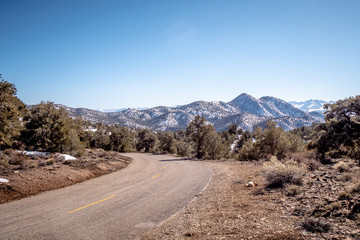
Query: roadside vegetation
<point x="293" y="162"/>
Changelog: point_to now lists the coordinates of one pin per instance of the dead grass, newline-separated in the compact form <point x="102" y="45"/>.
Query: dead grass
<point x="342" y="167"/>
<point x="319" y="225"/>
<point x="279" y="174"/>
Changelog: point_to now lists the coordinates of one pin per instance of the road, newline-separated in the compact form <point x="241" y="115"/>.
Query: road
<point x="120" y="205"/>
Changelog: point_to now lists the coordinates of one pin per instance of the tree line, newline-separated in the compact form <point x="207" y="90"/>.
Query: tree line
<point x="48" y="127"/>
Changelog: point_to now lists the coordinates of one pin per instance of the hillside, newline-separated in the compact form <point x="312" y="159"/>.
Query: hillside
<point x="245" y="111"/>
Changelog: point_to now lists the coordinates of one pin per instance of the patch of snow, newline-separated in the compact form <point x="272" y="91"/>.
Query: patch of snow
<point x="90" y="129"/>
<point x="37" y="154"/>
<point x="67" y="157"/>
<point x="3" y="180"/>
<point x="34" y="153"/>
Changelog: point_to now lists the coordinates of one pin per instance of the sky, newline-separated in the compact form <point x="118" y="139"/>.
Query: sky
<point x="103" y="54"/>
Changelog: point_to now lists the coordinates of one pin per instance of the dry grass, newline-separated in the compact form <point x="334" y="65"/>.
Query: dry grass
<point x="292" y="190"/>
<point x="279" y="174"/>
<point x="316" y="225"/>
<point x="342" y="167"/>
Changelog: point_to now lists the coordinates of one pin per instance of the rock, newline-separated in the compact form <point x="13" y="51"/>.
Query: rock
<point x="250" y="184"/>
<point x="3" y="180"/>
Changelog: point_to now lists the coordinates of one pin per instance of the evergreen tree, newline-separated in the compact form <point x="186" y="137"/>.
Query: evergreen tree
<point x="167" y="142"/>
<point x="49" y="128"/>
<point x="213" y="145"/>
<point x="207" y="142"/>
<point x="195" y="133"/>
<point x="12" y="109"/>
<point x="101" y="137"/>
<point x="146" y="141"/>
<point x="273" y="140"/>
<point x="121" y="139"/>
<point x="340" y="135"/>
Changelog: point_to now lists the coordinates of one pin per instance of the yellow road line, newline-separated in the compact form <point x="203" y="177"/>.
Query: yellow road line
<point x="156" y="176"/>
<point x="91" y="204"/>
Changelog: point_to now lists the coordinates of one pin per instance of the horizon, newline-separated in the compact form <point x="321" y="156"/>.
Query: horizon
<point x="111" y="55"/>
<point x="175" y="106"/>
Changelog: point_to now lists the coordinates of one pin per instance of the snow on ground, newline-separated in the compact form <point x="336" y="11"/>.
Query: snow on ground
<point x="3" y="180"/>
<point x="67" y="157"/>
<point x="34" y="153"/>
<point x="90" y="129"/>
<point x="37" y="154"/>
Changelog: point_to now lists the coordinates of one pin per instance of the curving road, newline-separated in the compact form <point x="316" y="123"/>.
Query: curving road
<point x="121" y="205"/>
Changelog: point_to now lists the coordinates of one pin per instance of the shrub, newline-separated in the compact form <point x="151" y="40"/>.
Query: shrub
<point x="184" y="149"/>
<point x="346" y="177"/>
<point x="307" y="158"/>
<point x="333" y="206"/>
<point x="316" y="225"/>
<point x="355" y="188"/>
<point x="41" y="163"/>
<point x="50" y="162"/>
<point x="292" y="190"/>
<point x="277" y="174"/>
<point x="344" y="196"/>
<point x="17" y="158"/>
<point x="342" y="167"/>
<point x="4" y="162"/>
<point x="248" y="152"/>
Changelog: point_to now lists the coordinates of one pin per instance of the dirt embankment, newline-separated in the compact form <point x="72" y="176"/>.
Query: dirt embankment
<point x="231" y="208"/>
<point x="30" y="175"/>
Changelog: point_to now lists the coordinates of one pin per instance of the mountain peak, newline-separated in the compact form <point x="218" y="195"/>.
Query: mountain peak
<point x="242" y="97"/>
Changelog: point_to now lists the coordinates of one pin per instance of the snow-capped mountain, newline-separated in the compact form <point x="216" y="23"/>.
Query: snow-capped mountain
<point x="118" y="109"/>
<point x="311" y="105"/>
<point x="245" y="111"/>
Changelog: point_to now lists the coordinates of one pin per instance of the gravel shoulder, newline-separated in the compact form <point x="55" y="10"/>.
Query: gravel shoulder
<point x="229" y="209"/>
<point x="40" y="174"/>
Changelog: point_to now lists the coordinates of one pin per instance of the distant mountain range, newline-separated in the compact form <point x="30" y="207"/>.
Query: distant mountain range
<point x="245" y="111"/>
<point x="311" y="105"/>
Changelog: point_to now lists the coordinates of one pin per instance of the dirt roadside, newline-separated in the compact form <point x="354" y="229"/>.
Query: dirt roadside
<point x="229" y="209"/>
<point x="33" y="175"/>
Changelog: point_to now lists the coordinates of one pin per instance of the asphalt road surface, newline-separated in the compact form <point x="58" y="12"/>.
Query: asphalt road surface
<point x="120" y="205"/>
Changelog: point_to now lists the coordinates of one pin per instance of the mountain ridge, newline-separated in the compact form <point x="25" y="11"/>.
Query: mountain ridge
<point x="245" y="110"/>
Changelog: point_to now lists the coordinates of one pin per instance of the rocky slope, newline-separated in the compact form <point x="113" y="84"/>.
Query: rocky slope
<point x="245" y="111"/>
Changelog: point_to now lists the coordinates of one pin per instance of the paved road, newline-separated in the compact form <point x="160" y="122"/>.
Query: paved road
<point x="121" y="205"/>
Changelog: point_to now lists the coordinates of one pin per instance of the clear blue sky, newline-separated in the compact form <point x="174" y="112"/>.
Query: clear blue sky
<point x="129" y="53"/>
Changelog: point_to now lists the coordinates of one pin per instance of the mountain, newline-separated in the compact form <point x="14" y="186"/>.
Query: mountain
<point x="245" y="111"/>
<point x="311" y="105"/>
<point x="118" y="109"/>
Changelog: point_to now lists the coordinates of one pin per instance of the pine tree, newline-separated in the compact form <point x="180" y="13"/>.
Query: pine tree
<point x="340" y="135"/>
<point x="167" y="142"/>
<point x="207" y="142"/>
<point x="48" y="128"/>
<point x="121" y="139"/>
<point x="213" y="145"/>
<point x="146" y="140"/>
<point x="12" y="110"/>
<point x="101" y="138"/>
<point x="195" y="133"/>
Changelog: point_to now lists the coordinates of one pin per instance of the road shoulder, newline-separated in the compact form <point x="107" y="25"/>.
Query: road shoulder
<point x="229" y="209"/>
